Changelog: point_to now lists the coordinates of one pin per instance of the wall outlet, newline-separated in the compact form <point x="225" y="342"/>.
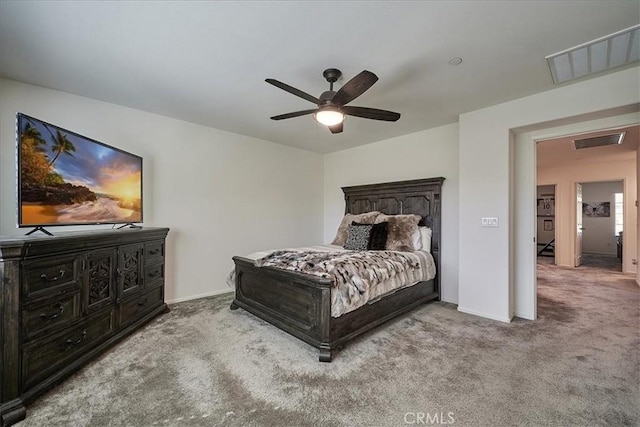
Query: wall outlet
<point x="634" y="261"/>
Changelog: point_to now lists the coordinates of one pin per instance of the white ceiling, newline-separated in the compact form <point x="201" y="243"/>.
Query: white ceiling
<point x="560" y="152"/>
<point x="205" y="62"/>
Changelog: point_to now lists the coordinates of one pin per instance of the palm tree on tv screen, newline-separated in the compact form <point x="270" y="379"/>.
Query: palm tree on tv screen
<point x="32" y="133"/>
<point x="61" y="145"/>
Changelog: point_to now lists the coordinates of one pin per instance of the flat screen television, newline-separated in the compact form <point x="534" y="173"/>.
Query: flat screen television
<point x="68" y="179"/>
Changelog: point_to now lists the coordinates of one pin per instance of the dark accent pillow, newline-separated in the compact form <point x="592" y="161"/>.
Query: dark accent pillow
<point x="378" y="239"/>
<point x="358" y="237"/>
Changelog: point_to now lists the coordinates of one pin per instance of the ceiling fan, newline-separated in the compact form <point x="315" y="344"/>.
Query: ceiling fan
<point x="332" y="106"/>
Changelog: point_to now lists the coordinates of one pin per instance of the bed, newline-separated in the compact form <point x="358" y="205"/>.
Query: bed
<point x="300" y="304"/>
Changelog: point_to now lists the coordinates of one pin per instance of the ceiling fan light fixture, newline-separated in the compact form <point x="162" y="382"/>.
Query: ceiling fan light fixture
<point x="329" y="116"/>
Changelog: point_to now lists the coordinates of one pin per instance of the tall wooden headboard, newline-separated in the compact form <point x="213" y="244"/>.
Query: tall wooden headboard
<point x="418" y="196"/>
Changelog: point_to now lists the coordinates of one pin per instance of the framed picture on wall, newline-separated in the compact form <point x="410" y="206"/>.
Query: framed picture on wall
<point x="548" y="225"/>
<point x="546" y="207"/>
<point x="597" y="209"/>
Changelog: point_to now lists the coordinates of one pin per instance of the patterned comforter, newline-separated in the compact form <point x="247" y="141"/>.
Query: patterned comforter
<point x="358" y="277"/>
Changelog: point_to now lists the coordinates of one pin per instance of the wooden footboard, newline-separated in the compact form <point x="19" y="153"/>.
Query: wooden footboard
<point x="300" y="304"/>
<point x="297" y="303"/>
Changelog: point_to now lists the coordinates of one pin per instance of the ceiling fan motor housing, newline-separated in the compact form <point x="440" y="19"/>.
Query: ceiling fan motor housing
<point x="327" y="96"/>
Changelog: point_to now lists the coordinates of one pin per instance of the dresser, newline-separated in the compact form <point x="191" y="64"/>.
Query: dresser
<point x="66" y="299"/>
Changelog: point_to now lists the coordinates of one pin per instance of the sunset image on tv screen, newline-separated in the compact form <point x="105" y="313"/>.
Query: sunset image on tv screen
<point x="69" y="179"/>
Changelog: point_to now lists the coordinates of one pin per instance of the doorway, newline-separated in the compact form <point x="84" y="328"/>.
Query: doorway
<point x="546" y="219"/>
<point x="525" y="172"/>
<point x="603" y="224"/>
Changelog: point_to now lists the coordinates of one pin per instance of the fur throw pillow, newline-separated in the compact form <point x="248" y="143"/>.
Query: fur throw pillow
<point x="363" y="218"/>
<point x="402" y="231"/>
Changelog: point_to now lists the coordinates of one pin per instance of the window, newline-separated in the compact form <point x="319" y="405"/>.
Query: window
<point x="618" y="212"/>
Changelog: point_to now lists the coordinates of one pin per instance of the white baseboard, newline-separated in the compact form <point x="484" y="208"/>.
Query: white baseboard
<point x="526" y="316"/>
<point x="208" y="294"/>
<point x="486" y="315"/>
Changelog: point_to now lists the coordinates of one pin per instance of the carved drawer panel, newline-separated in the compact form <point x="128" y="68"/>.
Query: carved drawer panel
<point x="42" y="357"/>
<point x="154" y="252"/>
<point x="153" y="276"/>
<point x="50" y="275"/>
<point x="99" y="285"/>
<point x="50" y="315"/>
<point x="130" y="270"/>
<point x="132" y="310"/>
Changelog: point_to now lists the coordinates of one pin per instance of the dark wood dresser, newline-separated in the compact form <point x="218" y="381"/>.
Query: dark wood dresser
<point x="65" y="299"/>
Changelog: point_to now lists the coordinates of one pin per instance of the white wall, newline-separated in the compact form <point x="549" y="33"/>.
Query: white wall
<point x="221" y="194"/>
<point x="425" y="154"/>
<point x="599" y="235"/>
<point x="215" y="188"/>
<point x="485" y="172"/>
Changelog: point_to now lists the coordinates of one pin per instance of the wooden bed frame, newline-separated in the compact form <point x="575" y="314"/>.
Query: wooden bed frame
<point x="300" y="304"/>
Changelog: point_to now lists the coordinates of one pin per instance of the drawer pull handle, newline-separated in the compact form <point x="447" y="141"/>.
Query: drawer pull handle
<point x="154" y="252"/>
<point x="54" y="278"/>
<point x="79" y="340"/>
<point x="154" y="274"/>
<point x="143" y="301"/>
<point x="54" y="315"/>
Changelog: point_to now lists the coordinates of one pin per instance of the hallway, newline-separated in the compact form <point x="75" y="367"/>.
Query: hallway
<point x="598" y="312"/>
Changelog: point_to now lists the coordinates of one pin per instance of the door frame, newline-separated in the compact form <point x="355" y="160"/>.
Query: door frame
<point x="523" y="170"/>
<point x="578" y="231"/>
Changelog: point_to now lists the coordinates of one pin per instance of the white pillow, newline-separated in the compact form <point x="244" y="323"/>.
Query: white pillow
<point x="425" y="237"/>
<point x="416" y="239"/>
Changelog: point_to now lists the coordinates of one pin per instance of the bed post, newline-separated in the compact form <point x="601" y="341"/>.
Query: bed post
<point x="325" y="326"/>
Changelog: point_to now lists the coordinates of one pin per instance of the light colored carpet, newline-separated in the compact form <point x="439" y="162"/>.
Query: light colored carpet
<point x="204" y="365"/>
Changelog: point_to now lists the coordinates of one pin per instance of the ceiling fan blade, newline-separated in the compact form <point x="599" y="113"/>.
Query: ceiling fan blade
<point x="371" y="113"/>
<point x="336" y="128"/>
<point x="354" y="87"/>
<point x="294" y="114"/>
<point x="293" y="90"/>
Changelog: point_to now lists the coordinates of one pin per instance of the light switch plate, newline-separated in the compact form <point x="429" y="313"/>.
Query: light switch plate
<point x="490" y="221"/>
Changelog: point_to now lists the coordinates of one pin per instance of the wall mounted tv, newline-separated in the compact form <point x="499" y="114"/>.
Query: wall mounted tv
<point x="69" y="179"/>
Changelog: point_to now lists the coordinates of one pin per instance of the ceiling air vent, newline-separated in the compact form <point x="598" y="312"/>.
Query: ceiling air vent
<point x="599" y="141"/>
<point x="603" y="54"/>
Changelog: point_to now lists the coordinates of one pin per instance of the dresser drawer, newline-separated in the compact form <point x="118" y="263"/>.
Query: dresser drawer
<point x="50" y="275"/>
<point x="153" y="276"/>
<point x="43" y="357"/>
<point x="133" y="309"/>
<point x="154" y="252"/>
<point x="50" y="315"/>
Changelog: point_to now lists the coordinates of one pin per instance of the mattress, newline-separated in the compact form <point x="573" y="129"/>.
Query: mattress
<point x="344" y="300"/>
